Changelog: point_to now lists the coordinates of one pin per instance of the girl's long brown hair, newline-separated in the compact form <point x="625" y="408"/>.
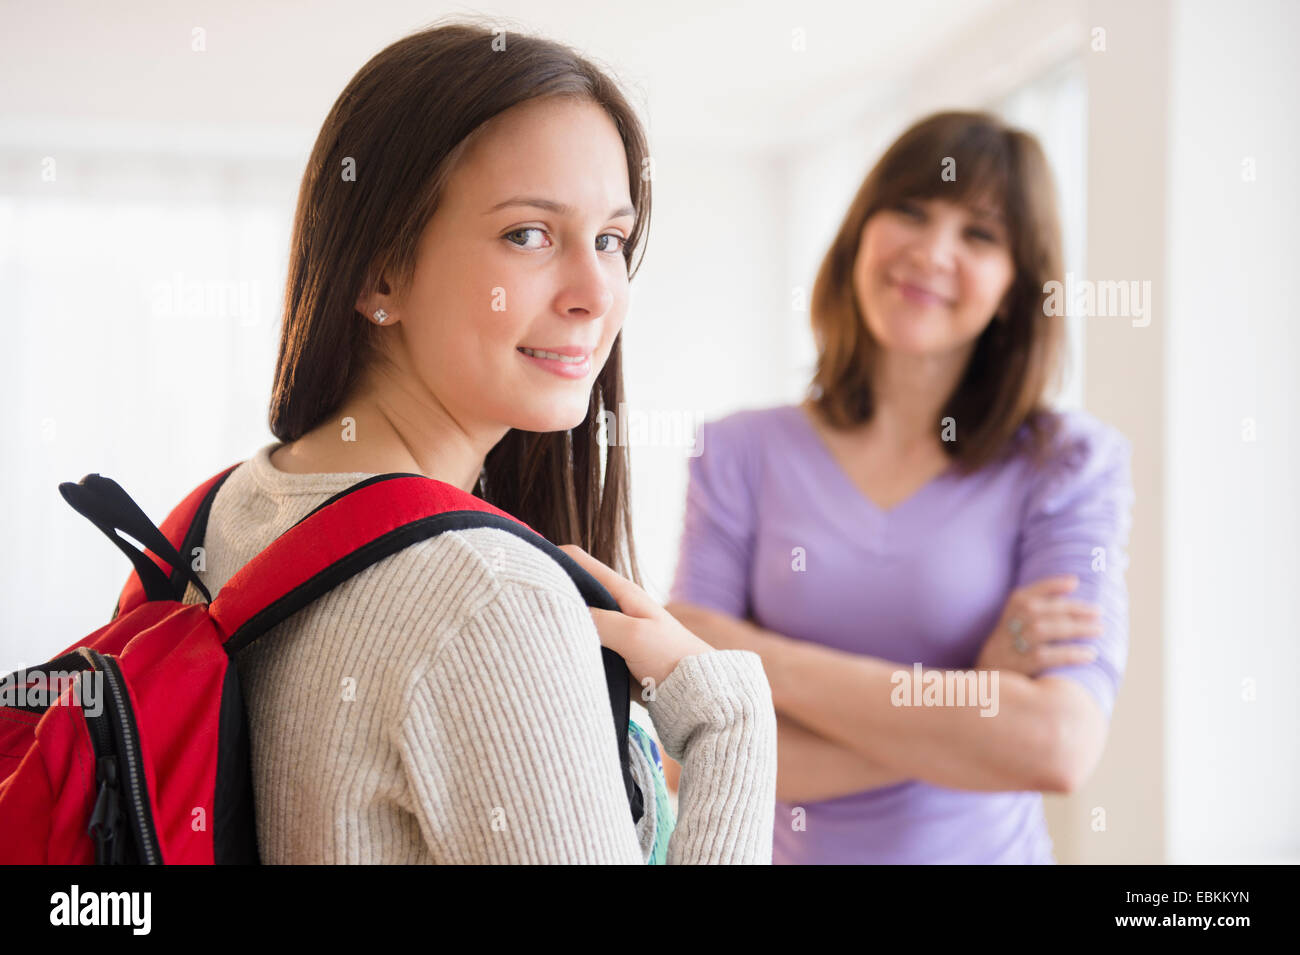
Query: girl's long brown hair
<point x="1016" y="360"/>
<point x="401" y="124"/>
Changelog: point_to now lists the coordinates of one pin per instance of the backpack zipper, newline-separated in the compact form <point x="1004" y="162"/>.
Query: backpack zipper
<point x="117" y="716"/>
<point x="106" y="818"/>
<point x="107" y="814"/>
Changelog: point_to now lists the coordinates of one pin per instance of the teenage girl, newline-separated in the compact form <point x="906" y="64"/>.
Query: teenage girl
<point x="458" y="280"/>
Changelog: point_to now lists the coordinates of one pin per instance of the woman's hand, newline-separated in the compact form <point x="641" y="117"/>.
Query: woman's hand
<point x="645" y="635"/>
<point x="1041" y="615"/>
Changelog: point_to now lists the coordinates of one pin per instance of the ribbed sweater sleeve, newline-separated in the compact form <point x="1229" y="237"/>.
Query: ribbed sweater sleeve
<point x="714" y="715"/>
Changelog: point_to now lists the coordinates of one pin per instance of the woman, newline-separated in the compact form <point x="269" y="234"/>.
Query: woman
<point x="922" y="506"/>
<point x="457" y="285"/>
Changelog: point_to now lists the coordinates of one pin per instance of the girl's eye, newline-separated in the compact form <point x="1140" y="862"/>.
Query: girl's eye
<point x="981" y="235"/>
<point x="508" y="237"/>
<point x="909" y="209"/>
<point x="612" y="235"/>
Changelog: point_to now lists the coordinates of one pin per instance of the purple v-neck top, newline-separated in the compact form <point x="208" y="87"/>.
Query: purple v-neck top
<point x="924" y="581"/>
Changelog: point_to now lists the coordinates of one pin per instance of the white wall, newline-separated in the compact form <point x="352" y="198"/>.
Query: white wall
<point x="1118" y="816"/>
<point x="704" y="328"/>
<point x="143" y="293"/>
<point x="1233" y="528"/>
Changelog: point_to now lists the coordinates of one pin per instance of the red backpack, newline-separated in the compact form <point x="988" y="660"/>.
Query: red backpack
<point x="132" y="746"/>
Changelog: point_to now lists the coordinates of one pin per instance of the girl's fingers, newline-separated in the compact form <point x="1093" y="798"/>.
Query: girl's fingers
<point x="615" y="629"/>
<point x="632" y="600"/>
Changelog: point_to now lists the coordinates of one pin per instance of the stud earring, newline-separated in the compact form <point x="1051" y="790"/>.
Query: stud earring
<point x="381" y="316"/>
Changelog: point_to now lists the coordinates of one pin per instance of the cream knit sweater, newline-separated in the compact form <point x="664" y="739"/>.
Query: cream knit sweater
<point x="448" y="705"/>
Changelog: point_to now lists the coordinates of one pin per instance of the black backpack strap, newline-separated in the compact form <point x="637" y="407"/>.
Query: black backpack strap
<point x="196" y="533"/>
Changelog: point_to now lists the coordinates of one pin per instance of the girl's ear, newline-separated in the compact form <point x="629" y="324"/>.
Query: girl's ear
<point x="375" y="295"/>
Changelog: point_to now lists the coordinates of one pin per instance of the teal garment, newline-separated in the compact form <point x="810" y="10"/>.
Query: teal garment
<point x="663" y="810"/>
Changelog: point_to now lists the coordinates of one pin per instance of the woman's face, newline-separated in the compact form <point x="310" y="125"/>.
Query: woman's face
<point x="524" y="251"/>
<point x="930" y="274"/>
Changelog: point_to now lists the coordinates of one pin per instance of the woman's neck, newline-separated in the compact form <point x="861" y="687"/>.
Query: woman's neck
<point x="909" y="393"/>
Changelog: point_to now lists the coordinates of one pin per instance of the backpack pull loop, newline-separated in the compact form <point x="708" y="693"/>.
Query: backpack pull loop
<point x="106" y="505"/>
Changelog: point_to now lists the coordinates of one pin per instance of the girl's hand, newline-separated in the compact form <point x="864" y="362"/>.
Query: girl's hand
<point x="1041" y="616"/>
<point x="645" y="635"/>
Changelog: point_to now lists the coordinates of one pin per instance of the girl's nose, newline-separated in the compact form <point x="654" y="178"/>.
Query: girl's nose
<point x="587" y="291"/>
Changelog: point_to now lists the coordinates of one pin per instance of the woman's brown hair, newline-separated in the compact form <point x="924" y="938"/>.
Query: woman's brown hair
<point x="1015" y="360"/>
<point x="402" y="123"/>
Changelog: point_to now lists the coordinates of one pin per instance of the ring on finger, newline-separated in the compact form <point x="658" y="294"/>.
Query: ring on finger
<point x="1017" y="626"/>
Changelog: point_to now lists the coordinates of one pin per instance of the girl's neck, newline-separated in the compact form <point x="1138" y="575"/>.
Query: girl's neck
<point x="382" y="430"/>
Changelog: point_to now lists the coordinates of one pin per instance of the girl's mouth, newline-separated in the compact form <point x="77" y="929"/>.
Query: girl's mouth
<point x="566" y="366"/>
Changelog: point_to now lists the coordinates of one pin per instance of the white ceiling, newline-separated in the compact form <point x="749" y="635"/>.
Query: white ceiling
<point x="718" y="72"/>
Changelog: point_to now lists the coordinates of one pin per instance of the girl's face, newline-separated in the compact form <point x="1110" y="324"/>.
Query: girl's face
<point x="930" y="274"/>
<point x="524" y="252"/>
